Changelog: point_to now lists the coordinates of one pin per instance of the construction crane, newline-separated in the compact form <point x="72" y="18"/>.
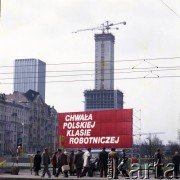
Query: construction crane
<point x="149" y="134"/>
<point x="105" y="27"/>
<point x="150" y="139"/>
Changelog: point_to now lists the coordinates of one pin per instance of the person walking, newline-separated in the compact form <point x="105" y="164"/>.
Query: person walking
<point x="54" y="162"/>
<point x="113" y="155"/>
<point x="46" y="162"/>
<point x="71" y="163"/>
<point x="37" y="163"/>
<point x="78" y="162"/>
<point x="124" y="163"/>
<point x="103" y="162"/>
<point x="59" y="170"/>
<point x="86" y="161"/>
<point x="158" y="163"/>
<point x="64" y="161"/>
<point x="176" y="161"/>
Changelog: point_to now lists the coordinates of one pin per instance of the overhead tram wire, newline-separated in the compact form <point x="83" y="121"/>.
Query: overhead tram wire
<point x="92" y="62"/>
<point x="170" y="8"/>
<point x="133" y="69"/>
<point x="126" y="72"/>
<point x="122" y="60"/>
<point x="122" y="69"/>
<point x="88" y="80"/>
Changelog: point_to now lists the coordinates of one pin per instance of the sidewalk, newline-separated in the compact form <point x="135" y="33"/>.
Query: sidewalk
<point x="32" y="177"/>
<point x="26" y="175"/>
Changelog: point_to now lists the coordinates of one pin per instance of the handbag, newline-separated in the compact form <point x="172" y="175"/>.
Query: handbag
<point x="65" y="168"/>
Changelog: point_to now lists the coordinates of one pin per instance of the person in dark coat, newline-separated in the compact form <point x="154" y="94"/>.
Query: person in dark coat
<point x="124" y="164"/>
<point x="59" y="170"/>
<point x="103" y="162"/>
<point x="37" y="163"/>
<point x="64" y="160"/>
<point x="114" y="156"/>
<point x="54" y="162"/>
<point x="46" y="162"/>
<point x="78" y="162"/>
<point x="158" y="161"/>
<point x="176" y="161"/>
<point x="71" y="163"/>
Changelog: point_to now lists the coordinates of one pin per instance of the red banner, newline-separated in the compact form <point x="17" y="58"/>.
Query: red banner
<point x="96" y="129"/>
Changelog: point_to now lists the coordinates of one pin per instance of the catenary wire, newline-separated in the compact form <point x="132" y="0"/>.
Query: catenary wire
<point x="88" y="80"/>
<point x="126" y="72"/>
<point x="151" y="70"/>
<point x="92" y="62"/>
<point x="170" y="8"/>
<point x="91" y="70"/>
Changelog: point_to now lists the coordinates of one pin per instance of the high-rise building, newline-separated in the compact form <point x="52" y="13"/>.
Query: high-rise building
<point x="104" y="61"/>
<point x="103" y="99"/>
<point x="30" y="74"/>
<point x="104" y="96"/>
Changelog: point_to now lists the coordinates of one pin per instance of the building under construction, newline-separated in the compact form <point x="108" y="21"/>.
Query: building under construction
<point x="104" y="96"/>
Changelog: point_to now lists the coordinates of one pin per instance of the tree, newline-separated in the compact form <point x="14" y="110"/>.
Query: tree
<point x="148" y="148"/>
<point x="171" y="147"/>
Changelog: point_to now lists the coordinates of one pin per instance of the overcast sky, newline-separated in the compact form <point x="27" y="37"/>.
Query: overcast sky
<point x="43" y="29"/>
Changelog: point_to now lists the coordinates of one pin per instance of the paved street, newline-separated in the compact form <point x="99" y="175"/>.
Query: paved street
<point x="26" y="174"/>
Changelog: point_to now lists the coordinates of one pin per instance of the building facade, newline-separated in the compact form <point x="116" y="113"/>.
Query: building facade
<point x="30" y="74"/>
<point x="28" y="122"/>
<point x="51" y="125"/>
<point x="104" y="96"/>
<point x="104" y="61"/>
<point x="103" y="99"/>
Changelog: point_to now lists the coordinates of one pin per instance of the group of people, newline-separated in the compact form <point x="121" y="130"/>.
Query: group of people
<point x="158" y="163"/>
<point x="63" y="162"/>
<point x="45" y="160"/>
<point x="80" y="163"/>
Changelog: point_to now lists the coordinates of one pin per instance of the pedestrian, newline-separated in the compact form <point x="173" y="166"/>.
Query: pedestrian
<point x="46" y="162"/>
<point x="78" y="162"/>
<point x="93" y="166"/>
<point x="86" y="161"/>
<point x="59" y="166"/>
<point x="37" y="163"/>
<point x="71" y="163"/>
<point x="103" y="162"/>
<point x="176" y="161"/>
<point x="113" y="155"/>
<point x="54" y="162"/>
<point x="158" y="163"/>
<point x="64" y="162"/>
<point x="124" y="164"/>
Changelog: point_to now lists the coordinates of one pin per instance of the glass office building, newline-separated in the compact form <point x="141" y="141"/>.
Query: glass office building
<point x="30" y="74"/>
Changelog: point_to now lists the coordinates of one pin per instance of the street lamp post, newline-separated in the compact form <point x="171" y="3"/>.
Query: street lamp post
<point x="22" y="138"/>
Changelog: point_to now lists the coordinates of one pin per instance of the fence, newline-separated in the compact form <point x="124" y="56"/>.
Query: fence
<point x="7" y="163"/>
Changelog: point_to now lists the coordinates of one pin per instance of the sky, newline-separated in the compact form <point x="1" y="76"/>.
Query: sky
<point x="147" y="54"/>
